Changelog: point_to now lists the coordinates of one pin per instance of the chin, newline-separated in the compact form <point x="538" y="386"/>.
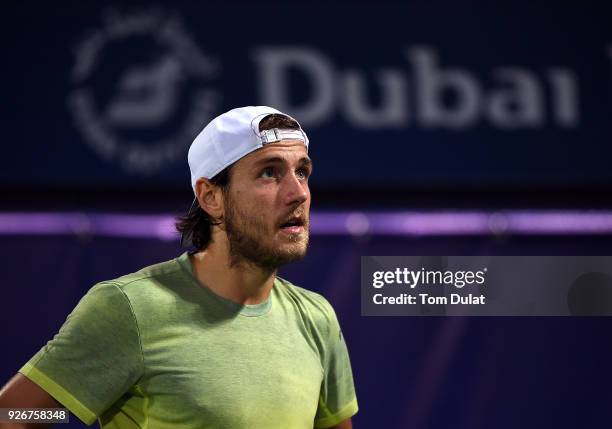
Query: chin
<point x="293" y="252"/>
<point x="295" y="243"/>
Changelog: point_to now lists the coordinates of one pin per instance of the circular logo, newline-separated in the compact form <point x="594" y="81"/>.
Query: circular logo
<point x="141" y="90"/>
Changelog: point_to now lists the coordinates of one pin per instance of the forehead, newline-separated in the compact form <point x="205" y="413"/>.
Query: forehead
<point x="287" y="150"/>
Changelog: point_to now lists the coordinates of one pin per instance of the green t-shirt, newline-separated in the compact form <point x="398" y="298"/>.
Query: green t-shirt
<point x="156" y="349"/>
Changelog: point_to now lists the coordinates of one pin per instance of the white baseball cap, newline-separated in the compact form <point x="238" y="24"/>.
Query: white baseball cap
<point x="232" y="135"/>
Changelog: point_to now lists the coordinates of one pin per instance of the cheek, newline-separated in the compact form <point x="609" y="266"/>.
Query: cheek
<point x="265" y="198"/>
<point x="260" y="207"/>
<point x="260" y="202"/>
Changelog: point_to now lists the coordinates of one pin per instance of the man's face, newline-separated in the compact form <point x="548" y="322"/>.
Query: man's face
<point x="267" y="206"/>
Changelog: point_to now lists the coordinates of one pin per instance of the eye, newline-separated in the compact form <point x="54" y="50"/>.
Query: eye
<point x="267" y="173"/>
<point x="302" y="173"/>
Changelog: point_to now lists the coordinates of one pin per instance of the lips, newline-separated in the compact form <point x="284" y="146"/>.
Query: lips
<point x="293" y="225"/>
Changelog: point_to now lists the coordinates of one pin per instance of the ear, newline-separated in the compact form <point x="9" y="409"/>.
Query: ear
<point x="210" y="198"/>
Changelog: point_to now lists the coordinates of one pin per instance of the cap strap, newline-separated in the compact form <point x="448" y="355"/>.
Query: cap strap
<point x="277" y="134"/>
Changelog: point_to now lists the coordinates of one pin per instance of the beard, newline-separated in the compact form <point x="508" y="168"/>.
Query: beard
<point x="253" y="239"/>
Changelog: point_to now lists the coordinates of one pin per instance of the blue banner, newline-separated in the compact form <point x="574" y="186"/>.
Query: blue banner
<point x="413" y="96"/>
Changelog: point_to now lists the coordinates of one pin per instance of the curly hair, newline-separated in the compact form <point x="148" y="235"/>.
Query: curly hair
<point x="196" y="225"/>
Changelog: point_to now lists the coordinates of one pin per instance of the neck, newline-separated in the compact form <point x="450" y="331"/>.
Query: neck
<point x="242" y="282"/>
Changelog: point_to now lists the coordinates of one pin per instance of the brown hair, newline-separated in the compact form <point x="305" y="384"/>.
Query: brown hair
<point x="196" y="225"/>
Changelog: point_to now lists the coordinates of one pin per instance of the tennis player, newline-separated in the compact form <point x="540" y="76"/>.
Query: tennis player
<point x="213" y="338"/>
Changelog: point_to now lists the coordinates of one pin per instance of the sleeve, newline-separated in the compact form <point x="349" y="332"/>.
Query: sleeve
<point x="94" y="358"/>
<point x="337" y="400"/>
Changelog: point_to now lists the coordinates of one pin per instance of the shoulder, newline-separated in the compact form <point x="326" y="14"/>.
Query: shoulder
<point x="151" y="283"/>
<point x="151" y="274"/>
<point x="312" y="305"/>
<point x="153" y="277"/>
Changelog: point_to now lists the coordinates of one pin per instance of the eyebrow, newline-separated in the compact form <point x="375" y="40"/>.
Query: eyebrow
<point x="304" y="161"/>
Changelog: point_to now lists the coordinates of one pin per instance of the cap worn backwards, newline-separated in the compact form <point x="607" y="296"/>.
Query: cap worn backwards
<point x="231" y="136"/>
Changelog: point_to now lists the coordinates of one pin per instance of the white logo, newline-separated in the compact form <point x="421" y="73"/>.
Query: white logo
<point x="140" y="90"/>
<point x="428" y="93"/>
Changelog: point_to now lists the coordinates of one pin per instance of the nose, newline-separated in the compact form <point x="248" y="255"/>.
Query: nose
<point x="295" y="191"/>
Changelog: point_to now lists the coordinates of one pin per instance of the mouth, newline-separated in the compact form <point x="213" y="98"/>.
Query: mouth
<point x="294" y="225"/>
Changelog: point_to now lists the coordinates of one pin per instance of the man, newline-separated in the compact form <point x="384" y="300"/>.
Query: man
<point x="213" y="338"/>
